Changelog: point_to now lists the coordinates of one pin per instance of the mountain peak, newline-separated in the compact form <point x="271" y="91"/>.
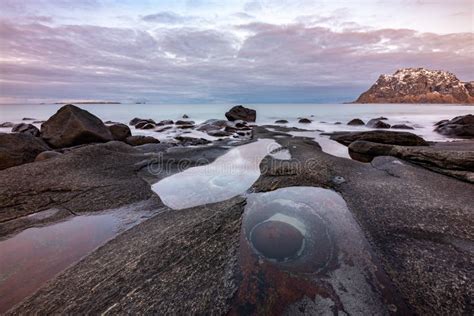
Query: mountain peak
<point x="419" y="85"/>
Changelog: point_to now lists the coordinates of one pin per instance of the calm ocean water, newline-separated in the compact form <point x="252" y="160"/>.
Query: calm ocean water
<point x="422" y="117"/>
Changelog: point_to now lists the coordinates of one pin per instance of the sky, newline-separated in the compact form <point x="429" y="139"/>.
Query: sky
<point x="205" y="51"/>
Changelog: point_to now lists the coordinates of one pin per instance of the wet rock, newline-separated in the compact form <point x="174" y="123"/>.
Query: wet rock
<point x="441" y="122"/>
<point x="165" y="122"/>
<point x="304" y="121"/>
<point x="28" y="119"/>
<point x="164" y="128"/>
<point x="281" y="122"/>
<point x="337" y="123"/>
<point x="38" y="122"/>
<point x="356" y="122"/>
<point x="19" y="148"/>
<point x="180" y="122"/>
<point x="456" y="163"/>
<point x="135" y="120"/>
<point x="191" y="141"/>
<point x="219" y="133"/>
<point x="45" y="155"/>
<point x="72" y="126"/>
<point x="240" y="124"/>
<point x="185" y="116"/>
<point x="26" y="129"/>
<point x="377" y="123"/>
<point x="240" y="112"/>
<point x="383" y="137"/>
<point x="120" y="131"/>
<point x="7" y="124"/>
<point x="401" y="126"/>
<point x="212" y="125"/>
<point x="144" y="125"/>
<point x="138" y="140"/>
<point x="460" y="126"/>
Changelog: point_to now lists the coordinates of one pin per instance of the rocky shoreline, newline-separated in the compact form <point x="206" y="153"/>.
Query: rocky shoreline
<point x="411" y="199"/>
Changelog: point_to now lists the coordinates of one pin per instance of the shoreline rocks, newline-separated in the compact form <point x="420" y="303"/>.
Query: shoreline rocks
<point x="383" y="137"/>
<point x="356" y="122"/>
<point x="26" y="129"/>
<point x="120" y="131"/>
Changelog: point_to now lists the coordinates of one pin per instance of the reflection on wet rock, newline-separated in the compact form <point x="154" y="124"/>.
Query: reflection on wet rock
<point x="301" y="250"/>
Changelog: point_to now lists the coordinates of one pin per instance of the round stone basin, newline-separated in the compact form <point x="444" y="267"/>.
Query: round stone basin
<point x="277" y="240"/>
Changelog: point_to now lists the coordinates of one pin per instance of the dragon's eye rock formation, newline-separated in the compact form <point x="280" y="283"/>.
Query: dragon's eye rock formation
<point x="419" y="85"/>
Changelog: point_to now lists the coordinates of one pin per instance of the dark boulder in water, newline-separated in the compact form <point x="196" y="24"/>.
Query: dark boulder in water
<point x="72" y="126"/>
<point x="19" y="148"/>
<point x="460" y="126"/>
<point x="304" y="121"/>
<point x="7" y="124"/>
<point x="135" y="120"/>
<point x="26" y="129"/>
<point x="401" y="126"/>
<point x="356" y="122"/>
<point x="164" y="122"/>
<point x="120" y="131"/>
<point x="240" y="112"/>
<point x="281" y="122"/>
<point x="377" y="123"/>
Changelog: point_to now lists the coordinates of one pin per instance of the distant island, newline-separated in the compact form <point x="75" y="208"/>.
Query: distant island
<point x="419" y="85"/>
<point x="90" y="102"/>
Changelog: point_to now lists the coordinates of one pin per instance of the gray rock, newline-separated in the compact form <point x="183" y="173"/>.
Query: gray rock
<point x="72" y="126"/>
<point x="7" y="124"/>
<point x="138" y="140"/>
<point x="240" y="112"/>
<point x="377" y="123"/>
<point x="45" y="155"/>
<point x="191" y="141"/>
<point x="219" y="133"/>
<point x="120" y="131"/>
<point x="383" y="137"/>
<point x="26" y="129"/>
<point x="356" y="122"/>
<point x="460" y="126"/>
<point x="401" y="126"/>
<point x="135" y="120"/>
<point x="165" y="122"/>
<point x="144" y="125"/>
<point x="19" y="148"/>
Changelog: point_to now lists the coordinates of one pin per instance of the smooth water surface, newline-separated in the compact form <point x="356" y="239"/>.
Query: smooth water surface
<point x="229" y="175"/>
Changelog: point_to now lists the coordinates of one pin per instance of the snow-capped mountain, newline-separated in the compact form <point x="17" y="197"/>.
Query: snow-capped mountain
<point x="419" y="85"/>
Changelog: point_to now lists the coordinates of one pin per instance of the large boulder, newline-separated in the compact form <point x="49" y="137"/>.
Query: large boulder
<point x="383" y="137"/>
<point x="120" y="131"/>
<point x="45" y="155"/>
<point x="460" y="126"/>
<point x="72" y="126"/>
<point x="26" y="129"/>
<point x="240" y="112"/>
<point x="19" y="148"/>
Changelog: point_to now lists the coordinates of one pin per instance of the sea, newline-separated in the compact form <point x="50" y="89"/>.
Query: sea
<point x="325" y="117"/>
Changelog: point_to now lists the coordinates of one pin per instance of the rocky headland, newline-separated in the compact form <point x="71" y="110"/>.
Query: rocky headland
<point x="419" y="85"/>
<point x="411" y="201"/>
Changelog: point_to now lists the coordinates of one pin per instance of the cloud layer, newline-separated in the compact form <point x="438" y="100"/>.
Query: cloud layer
<point x="169" y="57"/>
